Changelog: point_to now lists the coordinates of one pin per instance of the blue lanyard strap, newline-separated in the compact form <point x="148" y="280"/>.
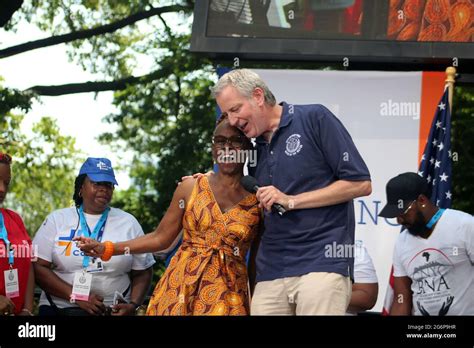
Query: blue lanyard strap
<point x="96" y="233"/>
<point x="4" y="237"/>
<point x="435" y="218"/>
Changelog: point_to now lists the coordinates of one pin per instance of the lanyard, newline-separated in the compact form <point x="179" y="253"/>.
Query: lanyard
<point x="435" y="218"/>
<point x="96" y="234"/>
<point x="4" y="237"/>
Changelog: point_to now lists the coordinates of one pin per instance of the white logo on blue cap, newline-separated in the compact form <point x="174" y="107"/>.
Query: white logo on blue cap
<point x="102" y="166"/>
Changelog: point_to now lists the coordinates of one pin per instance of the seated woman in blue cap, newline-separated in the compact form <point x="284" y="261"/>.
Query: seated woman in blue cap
<point x="75" y="284"/>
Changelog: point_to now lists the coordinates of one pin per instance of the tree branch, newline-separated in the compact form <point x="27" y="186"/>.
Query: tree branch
<point x="87" y="33"/>
<point x="99" y="86"/>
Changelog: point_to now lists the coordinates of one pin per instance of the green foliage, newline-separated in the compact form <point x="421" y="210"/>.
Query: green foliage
<point x="113" y="54"/>
<point x="43" y="169"/>
<point x="13" y="98"/>
<point x="462" y="134"/>
<point x="170" y="133"/>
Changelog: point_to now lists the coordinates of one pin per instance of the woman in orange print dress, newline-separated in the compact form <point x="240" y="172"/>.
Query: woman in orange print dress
<point x="208" y="275"/>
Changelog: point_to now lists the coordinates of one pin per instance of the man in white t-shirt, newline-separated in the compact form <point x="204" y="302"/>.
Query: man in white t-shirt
<point x="365" y="287"/>
<point x="433" y="259"/>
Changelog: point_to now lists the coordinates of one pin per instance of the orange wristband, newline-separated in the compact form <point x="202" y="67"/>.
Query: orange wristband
<point x="109" y="251"/>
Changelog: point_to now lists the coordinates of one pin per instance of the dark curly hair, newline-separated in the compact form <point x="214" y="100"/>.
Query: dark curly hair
<point x="77" y="188"/>
<point x="5" y="158"/>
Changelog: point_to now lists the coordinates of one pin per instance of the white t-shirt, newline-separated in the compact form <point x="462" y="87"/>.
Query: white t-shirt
<point x="364" y="270"/>
<point x="441" y="267"/>
<point x="53" y="241"/>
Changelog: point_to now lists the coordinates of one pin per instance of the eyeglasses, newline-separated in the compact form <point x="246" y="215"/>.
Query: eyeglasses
<point x="407" y="209"/>
<point x="235" y="141"/>
<point x="105" y="184"/>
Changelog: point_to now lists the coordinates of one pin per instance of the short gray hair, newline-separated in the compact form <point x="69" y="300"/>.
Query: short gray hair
<point x="245" y="81"/>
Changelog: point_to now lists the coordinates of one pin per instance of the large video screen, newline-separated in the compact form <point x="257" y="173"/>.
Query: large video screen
<point x="402" y="20"/>
<point x="329" y="29"/>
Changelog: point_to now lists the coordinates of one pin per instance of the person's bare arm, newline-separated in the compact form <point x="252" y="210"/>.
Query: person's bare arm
<point x="402" y="300"/>
<point x="7" y="307"/>
<point x="161" y="238"/>
<point x="140" y="284"/>
<point x="338" y="192"/>
<point x="53" y="285"/>
<point x="364" y="296"/>
<point x="30" y="288"/>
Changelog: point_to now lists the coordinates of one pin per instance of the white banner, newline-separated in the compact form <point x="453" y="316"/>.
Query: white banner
<point x="381" y="111"/>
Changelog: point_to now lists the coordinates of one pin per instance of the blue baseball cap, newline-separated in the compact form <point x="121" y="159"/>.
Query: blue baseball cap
<point x="98" y="170"/>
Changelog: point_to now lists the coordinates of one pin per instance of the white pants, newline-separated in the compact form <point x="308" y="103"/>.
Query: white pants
<point x="316" y="293"/>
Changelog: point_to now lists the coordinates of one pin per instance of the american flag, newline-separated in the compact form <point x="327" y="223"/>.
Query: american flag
<point x="435" y="167"/>
<point x="436" y="161"/>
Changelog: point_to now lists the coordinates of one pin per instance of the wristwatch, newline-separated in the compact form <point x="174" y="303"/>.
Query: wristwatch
<point x="139" y="309"/>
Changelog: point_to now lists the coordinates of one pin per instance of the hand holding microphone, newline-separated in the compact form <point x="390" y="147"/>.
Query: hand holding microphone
<point x="268" y="196"/>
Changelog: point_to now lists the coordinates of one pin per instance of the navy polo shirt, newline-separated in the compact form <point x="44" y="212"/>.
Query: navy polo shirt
<point x="310" y="150"/>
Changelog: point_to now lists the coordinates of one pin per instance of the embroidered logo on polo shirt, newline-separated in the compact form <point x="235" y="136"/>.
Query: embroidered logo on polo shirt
<point x="293" y="145"/>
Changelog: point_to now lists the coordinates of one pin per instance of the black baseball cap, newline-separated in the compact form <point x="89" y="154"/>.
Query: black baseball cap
<point x="401" y="191"/>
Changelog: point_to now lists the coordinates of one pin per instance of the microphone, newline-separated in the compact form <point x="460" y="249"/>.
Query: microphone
<point x="250" y="184"/>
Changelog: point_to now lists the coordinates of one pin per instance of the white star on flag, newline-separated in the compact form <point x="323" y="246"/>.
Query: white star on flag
<point x="436" y="167"/>
<point x="420" y="174"/>
<point x="444" y="177"/>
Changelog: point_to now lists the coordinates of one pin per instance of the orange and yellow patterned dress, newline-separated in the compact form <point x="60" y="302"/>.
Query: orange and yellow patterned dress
<point x="208" y="274"/>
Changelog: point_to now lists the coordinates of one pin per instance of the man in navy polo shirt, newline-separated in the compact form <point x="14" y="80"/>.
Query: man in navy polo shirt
<point x="308" y="163"/>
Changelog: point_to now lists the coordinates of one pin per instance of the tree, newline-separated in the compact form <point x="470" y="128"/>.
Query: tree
<point x="462" y="133"/>
<point x="44" y="168"/>
<point x="166" y="114"/>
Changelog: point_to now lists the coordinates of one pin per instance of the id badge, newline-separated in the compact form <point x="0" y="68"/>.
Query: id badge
<point x="81" y="286"/>
<point x="95" y="266"/>
<point x="12" y="288"/>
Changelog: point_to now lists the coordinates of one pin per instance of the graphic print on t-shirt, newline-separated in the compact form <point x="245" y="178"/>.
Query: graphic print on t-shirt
<point x="69" y="245"/>
<point x="432" y="295"/>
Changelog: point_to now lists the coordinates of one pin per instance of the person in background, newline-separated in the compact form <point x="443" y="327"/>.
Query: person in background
<point x="16" y="252"/>
<point x="365" y="287"/>
<point x="433" y="260"/>
<point x="120" y="284"/>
